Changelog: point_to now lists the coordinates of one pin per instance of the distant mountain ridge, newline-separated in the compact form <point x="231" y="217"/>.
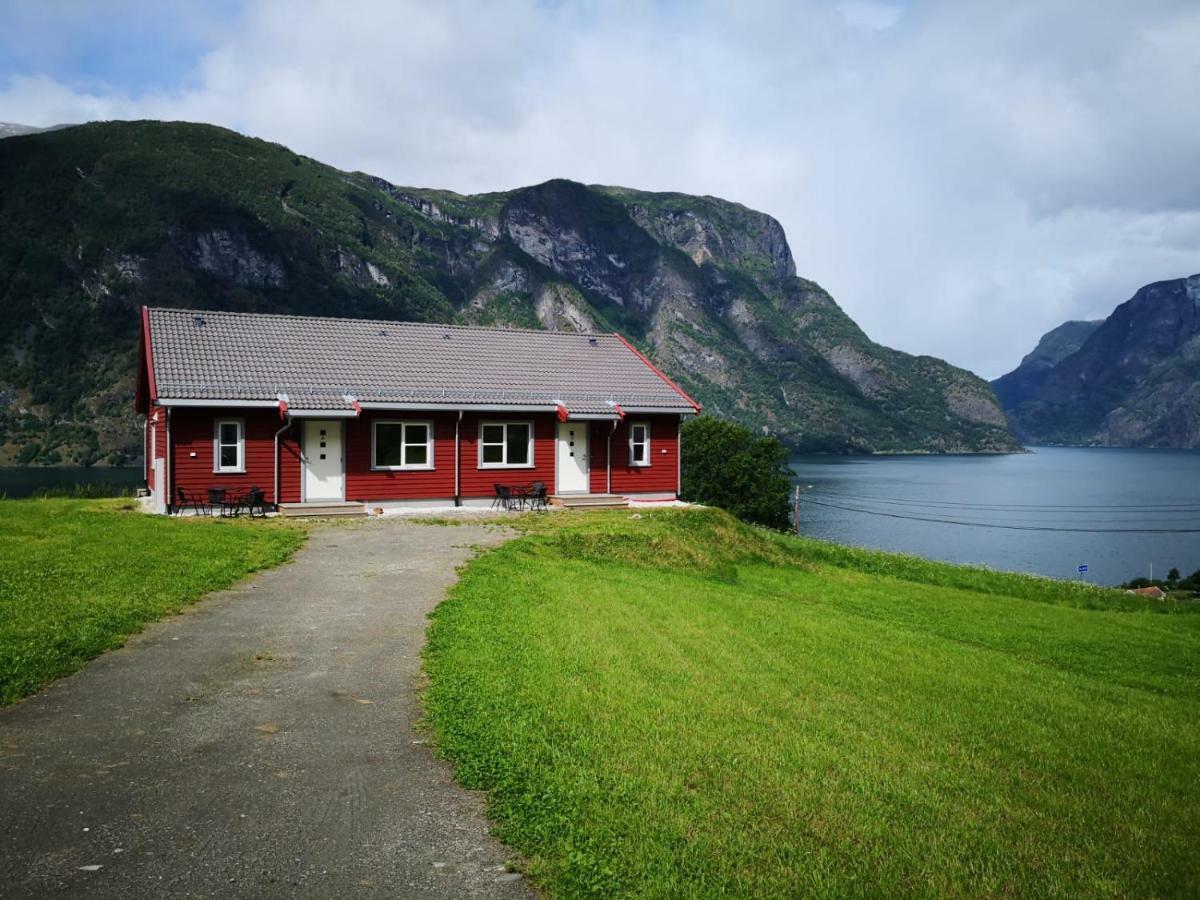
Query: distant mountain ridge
<point x="96" y="220"/>
<point x="1132" y="380"/>
<point x="11" y="129"/>
<point x="1055" y="345"/>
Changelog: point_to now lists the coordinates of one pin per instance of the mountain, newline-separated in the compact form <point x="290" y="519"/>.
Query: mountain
<point x="98" y="219"/>
<point x="11" y="129"/>
<point x="1023" y="382"/>
<point x="1133" y="381"/>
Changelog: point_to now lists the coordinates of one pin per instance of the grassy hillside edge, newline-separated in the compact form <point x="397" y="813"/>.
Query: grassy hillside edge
<point x="77" y="577"/>
<point x="679" y="705"/>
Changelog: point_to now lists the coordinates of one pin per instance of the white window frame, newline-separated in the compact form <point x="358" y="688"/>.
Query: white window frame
<point x="646" y="460"/>
<point x="505" y="464"/>
<point x="404" y="424"/>
<point x="240" y="468"/>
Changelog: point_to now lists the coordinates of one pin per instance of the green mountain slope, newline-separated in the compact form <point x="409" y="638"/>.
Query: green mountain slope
<point x="98" y="219"/>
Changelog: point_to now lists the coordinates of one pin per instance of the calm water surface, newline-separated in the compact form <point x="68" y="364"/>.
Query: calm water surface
<point x="885" y="502"/>
<point x="22" y="481"/>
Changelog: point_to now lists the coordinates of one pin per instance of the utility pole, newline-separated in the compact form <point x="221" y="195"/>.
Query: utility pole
<point x="796" y="510"/>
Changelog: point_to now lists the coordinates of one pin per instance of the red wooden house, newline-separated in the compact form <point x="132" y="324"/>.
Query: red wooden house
<point x="320" y="410"/>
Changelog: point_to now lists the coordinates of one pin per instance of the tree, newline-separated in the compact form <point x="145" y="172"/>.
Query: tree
<point x="726" y="465"/>
<point x="1173" y="576"/>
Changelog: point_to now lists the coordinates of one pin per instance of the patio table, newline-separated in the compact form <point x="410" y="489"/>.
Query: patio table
<point x="521" y="493"/>
<point x="228" y="500"/>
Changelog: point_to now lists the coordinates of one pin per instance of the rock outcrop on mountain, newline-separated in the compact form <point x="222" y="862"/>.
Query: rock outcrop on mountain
<point x="1133" y="381"/>
<point x="96" y="220"/>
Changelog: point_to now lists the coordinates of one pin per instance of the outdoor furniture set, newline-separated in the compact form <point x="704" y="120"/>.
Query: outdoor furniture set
<point x="228" y="502"/>
<point x="520" y="497"/>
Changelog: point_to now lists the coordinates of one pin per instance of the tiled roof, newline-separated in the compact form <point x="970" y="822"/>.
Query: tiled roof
<point x="317" y="362"/>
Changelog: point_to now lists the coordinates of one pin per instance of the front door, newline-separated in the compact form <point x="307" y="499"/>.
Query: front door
<point x="324" y="477"/>
<point x="572" y="458"/>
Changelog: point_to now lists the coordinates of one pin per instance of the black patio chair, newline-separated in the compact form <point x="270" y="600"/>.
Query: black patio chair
<point x="256" y="499"/>
<point x="537" y="496"/>
<point x="504" y="497"/>
<point x="193" y="499"/>
<point x="498" y="498"/>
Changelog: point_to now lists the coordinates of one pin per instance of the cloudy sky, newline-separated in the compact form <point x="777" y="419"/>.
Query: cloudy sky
<point x="961" y="176"/>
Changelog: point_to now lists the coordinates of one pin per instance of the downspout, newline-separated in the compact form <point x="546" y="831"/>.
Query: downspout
<point x="284" y="427"/>
<point x="169" y="468"/>
<point x="608" y="454"/>
<point x="679" y="458"/>
<point x="458" y="459"/>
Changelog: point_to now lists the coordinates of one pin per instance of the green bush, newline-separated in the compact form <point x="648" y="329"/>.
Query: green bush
<point x="725" y="465"/>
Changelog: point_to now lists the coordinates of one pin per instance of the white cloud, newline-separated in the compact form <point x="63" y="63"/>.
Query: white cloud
<point x="869" y="14"/>
<point x="961" y="176"/>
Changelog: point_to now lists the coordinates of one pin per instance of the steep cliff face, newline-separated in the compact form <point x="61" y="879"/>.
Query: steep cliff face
<point x="96" y="220"/>
<point x="1134" y="382"/>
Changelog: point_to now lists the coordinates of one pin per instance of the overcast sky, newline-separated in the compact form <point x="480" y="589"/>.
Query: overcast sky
<point x="960" y="176"/>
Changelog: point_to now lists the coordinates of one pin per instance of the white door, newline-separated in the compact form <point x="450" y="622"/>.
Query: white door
<point x="572" y="458"/>
<point x="324" y="477"/>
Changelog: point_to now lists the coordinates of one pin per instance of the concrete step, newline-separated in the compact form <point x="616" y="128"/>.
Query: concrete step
<point x="322" y="508"/>
<point x="589" y="501"/>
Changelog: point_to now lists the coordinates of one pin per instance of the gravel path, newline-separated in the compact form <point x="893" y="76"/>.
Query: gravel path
<point x="260" y="744"/>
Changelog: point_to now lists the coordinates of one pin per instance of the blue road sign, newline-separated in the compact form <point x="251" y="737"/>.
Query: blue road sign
<point x="1081" y="568"/>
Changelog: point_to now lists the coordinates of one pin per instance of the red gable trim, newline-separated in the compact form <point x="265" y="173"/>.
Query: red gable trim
<point x="149" y="353"/>
<point x="657" y="371"/>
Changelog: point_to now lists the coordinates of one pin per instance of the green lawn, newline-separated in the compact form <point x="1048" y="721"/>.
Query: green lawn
<point x="78" y="576"/>
<point x="680" y="706"/>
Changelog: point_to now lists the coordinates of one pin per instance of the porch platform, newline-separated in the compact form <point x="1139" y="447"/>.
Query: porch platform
<point x="321" y="508"/>
<point x="589" y="501"/>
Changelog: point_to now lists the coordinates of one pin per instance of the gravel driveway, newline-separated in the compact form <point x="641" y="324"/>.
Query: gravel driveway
<point x="262" y="743"/>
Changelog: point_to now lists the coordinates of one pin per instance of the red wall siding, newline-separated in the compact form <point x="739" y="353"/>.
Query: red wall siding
<point x="192" y="432"/>
<point x="658" y="477"/>
<point x="438" y="482"/>
<point x="477" y="482"/>
<point x="412" y="484"/>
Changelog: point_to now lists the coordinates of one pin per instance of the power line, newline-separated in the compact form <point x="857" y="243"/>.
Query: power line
<point x="1007" y="527"/>
<point x="911" y="501"/>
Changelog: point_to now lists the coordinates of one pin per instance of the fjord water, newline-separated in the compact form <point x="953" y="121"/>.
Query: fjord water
<point x="24" y="481"/>
<point x="1043" y="500"/>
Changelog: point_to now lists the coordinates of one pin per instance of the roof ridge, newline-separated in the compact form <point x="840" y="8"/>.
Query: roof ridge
<point x="454" y="326"/>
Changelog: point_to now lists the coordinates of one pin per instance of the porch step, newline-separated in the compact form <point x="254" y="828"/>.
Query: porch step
<point x="323" y="508"/>
<point x="589" y="501"/>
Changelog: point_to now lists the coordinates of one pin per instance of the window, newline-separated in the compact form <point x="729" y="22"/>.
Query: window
<point x="639" y="444"/>
<point x="229" y="445"/>
<point x="503" y="444"/>
<point x="402" y="445"/>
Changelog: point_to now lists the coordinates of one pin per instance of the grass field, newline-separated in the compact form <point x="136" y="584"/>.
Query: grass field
<point x="679" y="706"/>
<point x="78" y="576"/>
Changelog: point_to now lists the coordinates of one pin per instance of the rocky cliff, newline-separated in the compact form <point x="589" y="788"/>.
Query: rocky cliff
<point x="98" y="219"/>
<point x="1134" y="381"/>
